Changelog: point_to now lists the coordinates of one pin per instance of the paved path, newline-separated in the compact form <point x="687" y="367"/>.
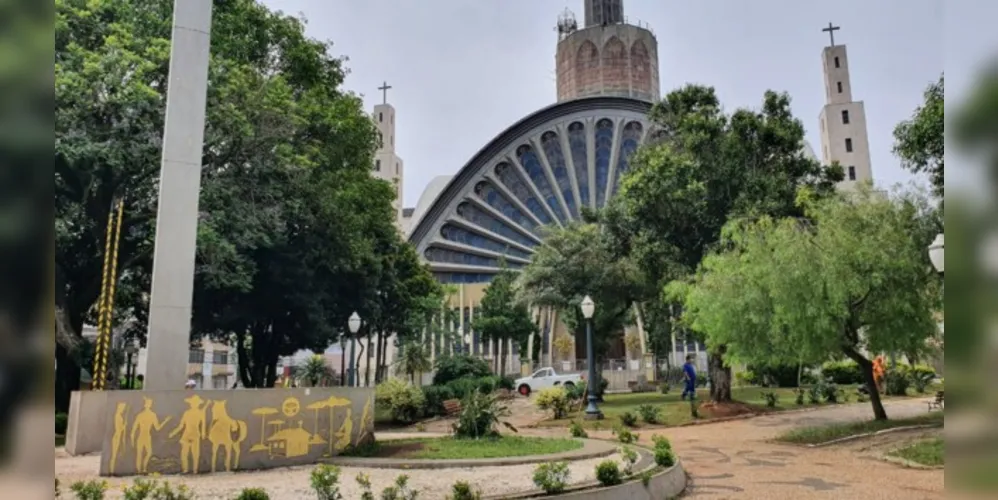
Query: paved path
<point x="737" y="460"/>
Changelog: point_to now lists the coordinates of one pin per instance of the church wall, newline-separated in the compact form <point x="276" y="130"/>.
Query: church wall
<point x="613" y="60"/>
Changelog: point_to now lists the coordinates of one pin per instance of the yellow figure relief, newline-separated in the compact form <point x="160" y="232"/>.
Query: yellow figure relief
<point x="343" y="435"/>
<point x="142" y="428"/>
<point x="290" y="407"/>
<point x="120" y="431"/>
<point x="318" y="405"/>
<point x="367" y="419"/>
<point x="192" y="430"/>
<point x="332" y="403"/>
<point x="221" y="433"/>
<point x="263" y="413"/>
<point x="291" y="442"/>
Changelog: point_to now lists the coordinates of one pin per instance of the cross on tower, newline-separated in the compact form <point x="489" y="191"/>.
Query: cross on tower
<point x="831" y="32"/>
<point x="384" y="92"/>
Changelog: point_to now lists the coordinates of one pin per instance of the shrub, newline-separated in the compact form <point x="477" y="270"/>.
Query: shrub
<point x="624" y="435"/>
<point x="365" y="486"/>
<point x="551" y="477"/>
<point x="420" y="427"/>
<point x="89" y="490"/>
<point x="165" y="492"/>
<point x="141" y="489"/>
<point x="649" y="413"/>
<point x="58" y="491"/>
<point x="575" y="392"/>
<point x="664" y="388"/>
<point x="896" y="382"/>
<point x="608" y="473"/>
<point x="463" y="491"/>
<point x="665" y="457"/>
<point x="603" y="384"/>
<point x="253" y="494"/>
<point x="577" y="430"/>
<point x="799" y="396"/>
<point x="463" y="387"/>
<point x="842" y="372"/>
<point x="830" y="392"/>
<point x="921" y="377"/>
<point x="507" y="382"/>
<point x="630" y="458"/>
<point x="325" y="481"/>
<point x="661" y="442"/>
<point x="61" y="422"/>
<point x="435" y="396"/>
<point x="814" y="394"/>
<point x="629" y="419"/>
<point x="771" y="399"/>
<point x="458" y="366"/>
<point x="400" y="490"/>
<point x="555" y="400"/>
<point x="403" y="400"/>
<point x="480" y="415"/>
<point x="488" y="384"/>
<point x="774" y="375"/>
<point x="645" y="478"/>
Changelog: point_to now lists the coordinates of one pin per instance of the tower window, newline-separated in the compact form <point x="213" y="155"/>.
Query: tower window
<point x="839" y="86"/>
<point x="852" y="173"/>
<point x="381" y="117"/>
<point x="396" y="168"/>
<point x="837" y="62"/>
<point x="845" y="117"/>
<point x="377" y="165"/>
<point x="848" y="145"/>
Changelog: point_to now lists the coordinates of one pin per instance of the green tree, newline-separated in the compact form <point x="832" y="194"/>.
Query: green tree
<point x="576" y="261"/>
<point x="315" y="371"/>
<point x="414" y="359"/>
<point x="919" y="142"/>
<point x="502" y="318"/>
<point x="848" y="280"/>
<point x="702" y="168"/>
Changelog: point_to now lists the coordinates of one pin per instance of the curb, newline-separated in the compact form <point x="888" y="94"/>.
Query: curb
<point x="855" y="437"/>
<point x="909" y="464"/>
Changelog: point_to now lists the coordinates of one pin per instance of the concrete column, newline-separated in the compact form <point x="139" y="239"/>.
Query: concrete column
<point x="179" y="187"/>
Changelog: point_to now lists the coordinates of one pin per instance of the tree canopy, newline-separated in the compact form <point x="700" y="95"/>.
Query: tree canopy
<point x="919" y="141"/>
<point x="501" y="318"/>
<point x="848" y="279"/>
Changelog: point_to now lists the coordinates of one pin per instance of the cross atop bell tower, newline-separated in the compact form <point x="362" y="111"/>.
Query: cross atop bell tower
<point x="604" y="12"/>
<point x="387" y="164"/>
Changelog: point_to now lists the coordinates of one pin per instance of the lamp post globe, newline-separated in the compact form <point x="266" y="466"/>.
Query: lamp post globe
<point x="592" y="411"/>
<point x="937" y="253"/>
<point x="354" y="325"/>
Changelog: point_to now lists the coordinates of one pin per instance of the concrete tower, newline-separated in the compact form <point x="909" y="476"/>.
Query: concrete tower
<point x="843" y="120"/>
<point x="387" y="165"/>
<point x="607" y="56"/>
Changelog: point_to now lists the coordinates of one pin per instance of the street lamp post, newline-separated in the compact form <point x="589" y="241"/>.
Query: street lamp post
<point x="130" y="349"/>
<point x="354" y="324"/>
<point x="588" y="308"/>
<point x="936" y="253"/>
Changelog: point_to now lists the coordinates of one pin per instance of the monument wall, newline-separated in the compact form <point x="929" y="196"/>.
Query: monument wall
<point x="192" y="432"/>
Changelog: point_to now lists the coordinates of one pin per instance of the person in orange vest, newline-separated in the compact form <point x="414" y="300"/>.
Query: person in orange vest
<point x="878" y="372"/>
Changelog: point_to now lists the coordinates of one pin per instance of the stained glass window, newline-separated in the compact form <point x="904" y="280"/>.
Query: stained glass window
<point x="486" y="221"/>
<point x="532" y="165"/>
<point x="495" y="199"/>
<point x="463" y="277"/>
<point x="628" y="145"/>
<point x="580" y="159"/>
<point x="552" y="150"/>
<point x="508" y="177"/>
<point x="604" y="149"/>
<point x="462" y="235"/>
<point x="458" y="257"/>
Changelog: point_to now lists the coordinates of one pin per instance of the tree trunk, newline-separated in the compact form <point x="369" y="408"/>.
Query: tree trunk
<point x="720" y="376"/>
<point x="67" y="378"/>
<point x="377" y="358"/>
<point x="866" y="366"/>
<point x="356" y="364"/>
<point x="367" y="366"/>
<point x="343" y="364"/>
<point x="384" y="357"/>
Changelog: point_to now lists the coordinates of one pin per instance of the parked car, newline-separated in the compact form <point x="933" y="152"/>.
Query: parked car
<point x="544" y="378"/>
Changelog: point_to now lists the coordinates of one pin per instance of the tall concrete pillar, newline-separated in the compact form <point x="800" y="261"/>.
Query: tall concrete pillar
<point x="179" y="187"/>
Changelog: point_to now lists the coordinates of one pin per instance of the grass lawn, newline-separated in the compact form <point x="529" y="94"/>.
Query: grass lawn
<point x="824" y="433"/>
<point x="451" y="448"/>
<point x="926" y="452"/>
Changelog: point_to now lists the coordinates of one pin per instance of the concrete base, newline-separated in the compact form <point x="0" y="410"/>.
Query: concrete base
<point x="593" y="416"/>
<point x="86" y="422"/>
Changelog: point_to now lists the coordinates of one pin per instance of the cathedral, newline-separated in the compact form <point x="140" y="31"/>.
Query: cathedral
<point x="544" y="168"/>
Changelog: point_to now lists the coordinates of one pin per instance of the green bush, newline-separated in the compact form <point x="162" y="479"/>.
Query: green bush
<point x="403" y="400"/>
<point x="458" y="366"/>
<point x="435" y="395"/>
<point x="325" y="482"/>
<point x="480" y="415"/>
<point x="400" y="490"/>
<point x="665" y="457"/>
<point x="842" y="372"/>
<point x="575" y="392"/>
<point x="921" y="377"/>
<point x="624" y="435"/>
<point x="61" y="422"/>
<point x="896" y="382"/>
<point x="649" y="413"/>
<point x="775" y="375"/>
<point x="488" y="384"/>
<point x="814" y="394"/>
<point x="771" y="399"/>
<point x="555" y="400"/>
<point x="664" y="388"/>
<point x="463" y="491"/>
<point x="608" y="473"/>
<point x="577" y="430"/>
<point x="253" y="494"/>
<point x="507" y="382"/>
<point x="799" y="396"/>
<point x="462" y="387"/>
<point x="629" y="419"/>
<point x="630" y="458"/>
<point x="143" y="489"/>
<point x="89" y="490"/>
<point x="552" y="477"/>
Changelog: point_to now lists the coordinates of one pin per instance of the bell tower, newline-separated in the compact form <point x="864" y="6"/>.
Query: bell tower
<point x="387" y="164"/>
<point x="604" y="12"/>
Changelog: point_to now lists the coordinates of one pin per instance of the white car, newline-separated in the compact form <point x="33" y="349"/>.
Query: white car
<point x="544" y="378"/>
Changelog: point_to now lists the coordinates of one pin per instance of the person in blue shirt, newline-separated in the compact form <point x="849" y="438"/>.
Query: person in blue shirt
<point x="690" y="373"/>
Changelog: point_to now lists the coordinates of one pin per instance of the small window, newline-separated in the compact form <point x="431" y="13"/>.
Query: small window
<point x="839" y="86"/>
<point x="852" y="173"/>
<point x="848" y="145"/>
<point x="837" y="62"/>
<point x="195" y="356"/>
<point x="396" y="168"/>
<point x="381" y="117"/>
<point x="377" y="165"/>
<point x="845" y="117"/>
<point x="220" y="357"/>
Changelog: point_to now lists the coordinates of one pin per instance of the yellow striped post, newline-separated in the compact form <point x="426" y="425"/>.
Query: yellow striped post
<point x="112" y="285"/>
<point x="97" y="381"/>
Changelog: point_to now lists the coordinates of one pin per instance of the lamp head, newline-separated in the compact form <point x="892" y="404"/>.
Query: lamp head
<point x="588" y="307"/>
<point x="354" y="322"/>
<point x="937" y="252"/>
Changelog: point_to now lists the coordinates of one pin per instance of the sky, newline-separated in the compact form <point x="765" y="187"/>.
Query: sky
<point x="463" y="71"/>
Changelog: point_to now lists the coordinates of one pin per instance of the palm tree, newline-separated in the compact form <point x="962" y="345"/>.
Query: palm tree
<point x="315" y="370"/>
<point x="414" y="359"/>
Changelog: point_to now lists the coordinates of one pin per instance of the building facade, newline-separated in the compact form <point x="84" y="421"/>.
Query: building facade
<point x="842" y="121"/>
